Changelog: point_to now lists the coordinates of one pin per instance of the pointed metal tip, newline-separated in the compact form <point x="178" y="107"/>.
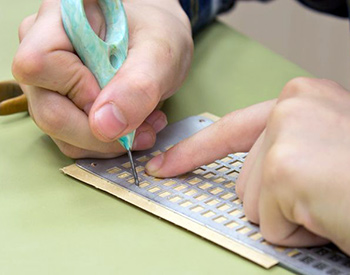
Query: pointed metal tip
<point x="134" y="172"/>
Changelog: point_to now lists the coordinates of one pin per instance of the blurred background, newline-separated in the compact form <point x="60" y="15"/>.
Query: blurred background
<point x="316" y="42"/>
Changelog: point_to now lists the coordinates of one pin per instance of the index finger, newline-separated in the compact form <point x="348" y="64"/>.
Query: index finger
<point x="236" y="132"/>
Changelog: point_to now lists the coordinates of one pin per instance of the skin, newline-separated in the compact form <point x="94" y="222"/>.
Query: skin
<point x="295" y="177"/>
<point x="295" y="181"/>
<point x="65" y="100"/>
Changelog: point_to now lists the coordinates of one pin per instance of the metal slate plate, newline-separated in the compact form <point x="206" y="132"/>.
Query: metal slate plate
<point x="207" y="196"/>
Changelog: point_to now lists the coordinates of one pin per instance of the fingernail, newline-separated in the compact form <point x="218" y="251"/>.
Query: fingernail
<point x="110" y="121"/>
<point x="160" y="124"/>
<point x="143" y="140"/>
<point x="154" y="164"/>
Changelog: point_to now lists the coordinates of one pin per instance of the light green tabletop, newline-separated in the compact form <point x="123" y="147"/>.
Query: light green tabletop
<point x="52" y="224"/>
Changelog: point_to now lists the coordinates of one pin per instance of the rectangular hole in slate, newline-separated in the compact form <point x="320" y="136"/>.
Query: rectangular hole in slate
<point x="180" y="187"/>
<point x="197" y="208"/>
<point x="237" y="201"/>
<point x="232" y="174"/>
<point x="224" y="207"/>
<point x="231" y="224"/>
<point x="241" y="155"/>
<point x="219" y="180"/>
<point x="280" y="248"/>
<point x="124" y="175"/>
<point x="320" y="266"/>
<point x="216" y="190"/>
<point x="212" y="202"/>
<point x="156" y="153"/>
<point x="322" y="251"/>
<point x="144" y="184"/>
<point x="164" y="194"/>
<point x="154" y="189"/>
<point x="255" y="236"/>
<point x="169" y="183"/>
<point x="293" y="253"/>
<point x="184" y="176"/>
<point x="205" y="185"/>
<point x="127" y="165"/>
<point x="236" y="163"/>
<point x="186" y="203"/>
<point x="190" y="192"/>
<point x="194" y="181"/>
<point x="222" y="169"/>
<point x="244" y="230"/>
<point x="113" y="170"/>
<point x="143" y="159"/>
<point x="199" y="171"/>
<point x="140" y="169"/>
<point x="307" y="259"/>
<point x="212" y="165"/>
<point x="235" y="212"/>
<point x="227" y="196"/>
<point x="175" y="199"/>
<point x="229" y="184"/>
<point x="226" y="159"/>
<point x="208" y="214"/>
<point x="220" y="219"/>
<point x="209" y="175"/>
<point x="201" y="197"/>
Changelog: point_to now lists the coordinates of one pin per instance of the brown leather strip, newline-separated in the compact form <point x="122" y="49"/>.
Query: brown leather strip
<point x="12" y="98"/>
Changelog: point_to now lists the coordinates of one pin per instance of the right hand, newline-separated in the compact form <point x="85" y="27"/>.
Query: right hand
<point x="64" y="97"/>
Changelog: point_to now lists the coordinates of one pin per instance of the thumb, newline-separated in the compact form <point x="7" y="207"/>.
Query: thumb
<point x="235" y="132"/>
<point x="149" y="74"/>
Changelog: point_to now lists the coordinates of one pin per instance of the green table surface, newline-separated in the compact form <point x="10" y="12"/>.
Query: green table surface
<point x="53" y="224"/>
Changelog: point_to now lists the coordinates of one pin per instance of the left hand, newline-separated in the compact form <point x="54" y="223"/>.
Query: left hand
<point x="295" y="181"/>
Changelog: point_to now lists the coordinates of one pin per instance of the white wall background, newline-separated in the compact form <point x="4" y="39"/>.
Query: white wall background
<point x="318" y="43"/>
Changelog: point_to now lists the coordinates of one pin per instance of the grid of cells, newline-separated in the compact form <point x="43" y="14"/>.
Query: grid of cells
<point x="208" y="195"/>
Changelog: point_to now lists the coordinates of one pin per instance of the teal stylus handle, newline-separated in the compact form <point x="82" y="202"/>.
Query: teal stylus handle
<point x="103" y="58"/>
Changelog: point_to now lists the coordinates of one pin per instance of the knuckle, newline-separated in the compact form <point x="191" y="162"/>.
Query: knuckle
<point x="281" y="163"/>
<point x="306" y="85"/>
<point x="71" y="151"/>
<point x="50" y="118"/>
<point x="25" y="25"/>
<point x="283" y="112"/>
<point x="27" y="65"/>
<point x="298" y="85"/>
